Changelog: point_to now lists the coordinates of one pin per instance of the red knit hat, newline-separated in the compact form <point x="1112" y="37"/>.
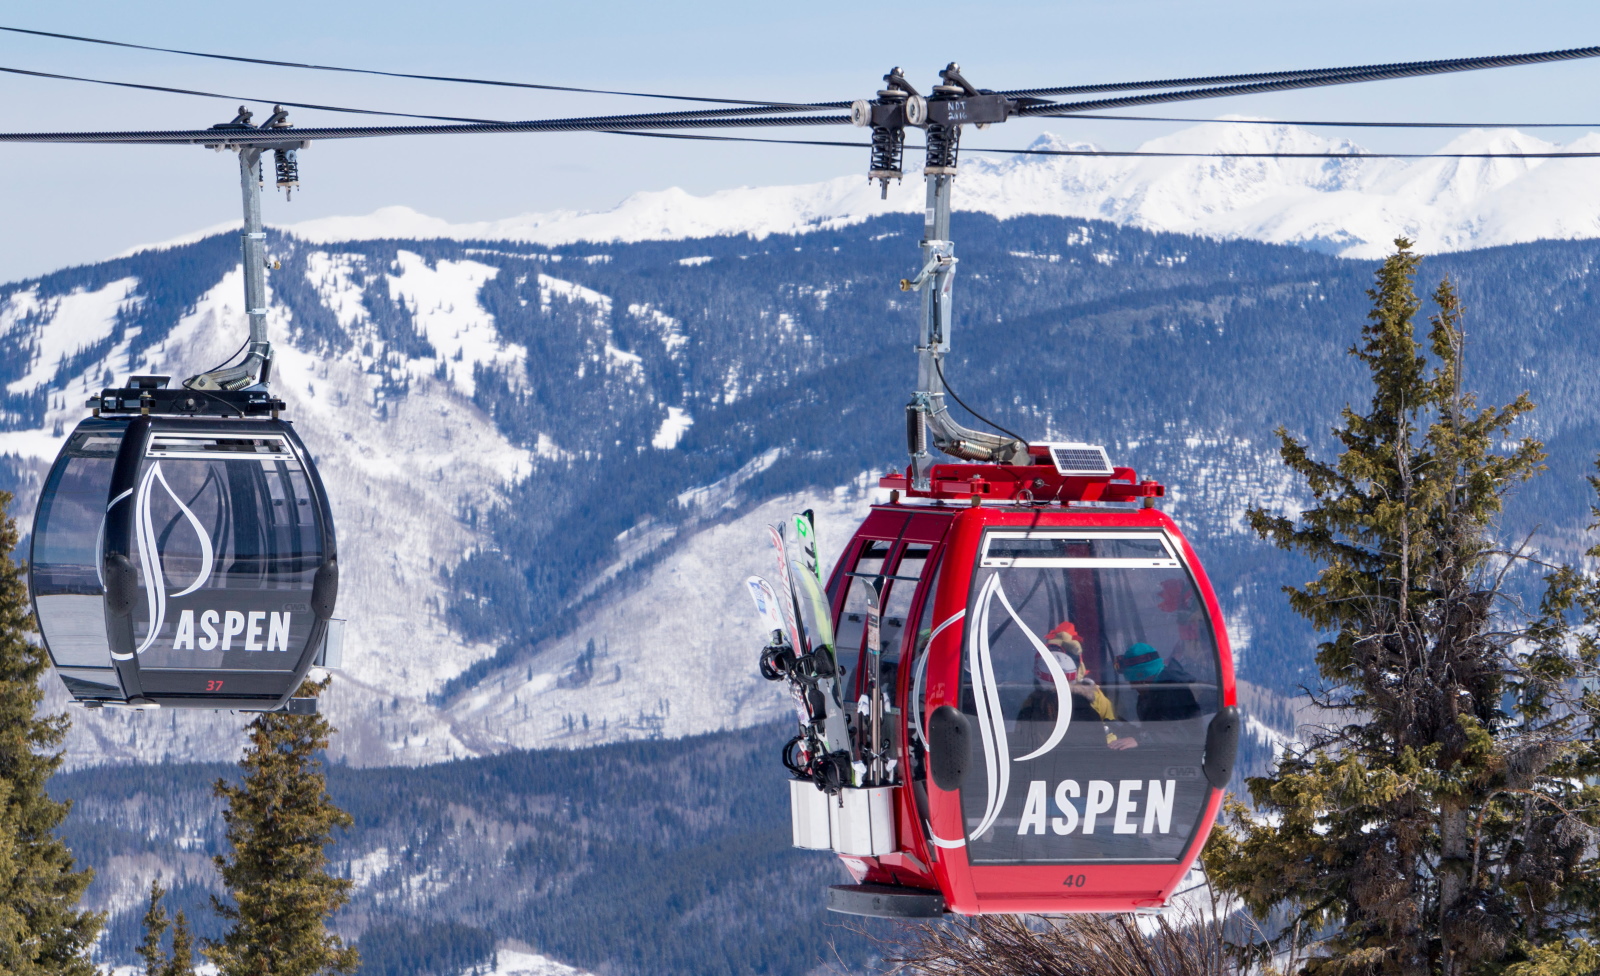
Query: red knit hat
<point x="1175" y="596"/>
<point x="1064" y="629"/>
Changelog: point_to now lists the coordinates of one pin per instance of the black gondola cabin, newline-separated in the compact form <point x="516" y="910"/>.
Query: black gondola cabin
<point x="183" y="552"/>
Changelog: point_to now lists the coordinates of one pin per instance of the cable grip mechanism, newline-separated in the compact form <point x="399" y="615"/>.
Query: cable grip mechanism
<point x="256" y="367"/>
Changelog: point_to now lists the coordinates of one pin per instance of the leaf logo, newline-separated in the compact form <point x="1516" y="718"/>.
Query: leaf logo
<point x="155" y="578"/>
<point x="991" y="721"/>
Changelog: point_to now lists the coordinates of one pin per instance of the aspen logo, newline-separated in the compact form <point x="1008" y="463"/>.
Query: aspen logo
<point x="1105" y="804"/>
<point x="218" y="631"/>
<point x="991" y="720"/>
<point x="150" y="563"/>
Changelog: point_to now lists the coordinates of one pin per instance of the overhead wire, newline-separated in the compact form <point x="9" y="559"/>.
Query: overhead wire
<point x="269" y="137"/>
<point x="1415" y="69"/>
<point x="1350" y="124"/>
<point x="1288" y="155"/>
<point x="748" y="116"/>
<point x="1214" y="86"/>
<point x="778" y="106"/>
<point x="1410" y="67"/>
<point x="651" y="116"/>
<point x="1406" y="67"/>
<point x="1124" y="152"/>
<point x="240" y="98"/>
<point x="719" y="113"/>
<point x="725" y="113"/>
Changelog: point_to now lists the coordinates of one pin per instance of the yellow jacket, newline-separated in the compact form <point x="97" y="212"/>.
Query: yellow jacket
<point x="1107" y="711"/>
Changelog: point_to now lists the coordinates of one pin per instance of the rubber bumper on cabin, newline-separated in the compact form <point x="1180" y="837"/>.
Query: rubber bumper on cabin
<point x="885" y="901"/>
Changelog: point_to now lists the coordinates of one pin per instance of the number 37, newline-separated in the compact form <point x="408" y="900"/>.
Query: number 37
<point x="214" y="685"/>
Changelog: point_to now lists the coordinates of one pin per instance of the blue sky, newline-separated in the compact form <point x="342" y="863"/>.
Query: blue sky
<point x="63" y="205"/>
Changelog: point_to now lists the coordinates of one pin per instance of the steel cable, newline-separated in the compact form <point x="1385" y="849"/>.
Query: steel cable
<point x="240" y="98"/>
<point x="749" y="117"/>
<point x="1356" y="125"/>
<point x="270" y="137"/>
<point x="729" y="113"/>
<point x="1428" y="67"/>
<point x="775" y="106"/>
<point x="691" y="114"/>
<point x="1129" y="152"/>
<point x="1382" y="73"/>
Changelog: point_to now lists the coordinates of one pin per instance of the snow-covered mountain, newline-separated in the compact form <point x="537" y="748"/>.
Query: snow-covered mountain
<point x="1352" y="207"/>
<point x="401" y="471"/>
<point x="551" y="464"/>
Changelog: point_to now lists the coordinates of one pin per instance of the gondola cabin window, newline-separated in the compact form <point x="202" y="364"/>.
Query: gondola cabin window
<point x="227" y="549"/>
<point x="68" y="587"/>
<point x="897" y="609"/>
<point x="1089" y="674"/>
<point x="898" y="586"/>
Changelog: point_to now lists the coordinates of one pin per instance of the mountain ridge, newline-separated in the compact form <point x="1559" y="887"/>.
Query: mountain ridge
<point x="1351" y="207"/>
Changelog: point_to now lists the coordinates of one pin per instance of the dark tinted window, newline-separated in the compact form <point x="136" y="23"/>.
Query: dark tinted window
<point x="1090" y="672"/>
<point x="850" y="636"/>
<point x="226" y="547"/>
<point x="65" y="569"/>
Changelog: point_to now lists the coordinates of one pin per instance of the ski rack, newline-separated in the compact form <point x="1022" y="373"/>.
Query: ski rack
<point x="1025" y="484"/>
<point x="146" y="395"/>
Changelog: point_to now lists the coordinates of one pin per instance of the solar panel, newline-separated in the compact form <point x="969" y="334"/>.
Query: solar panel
<point x="1079" y="459"/>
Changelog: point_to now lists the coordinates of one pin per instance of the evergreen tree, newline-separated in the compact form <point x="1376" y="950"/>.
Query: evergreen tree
<point x="42" y="930"/>
<point x="181" y="963"/>
<point x="156" y="923"/>
<point x="157" y="962"/>
<point x="1444" y="826"/>
<point x="280" y="820"/>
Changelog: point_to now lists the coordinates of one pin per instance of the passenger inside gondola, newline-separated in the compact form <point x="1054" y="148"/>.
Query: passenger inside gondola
<point x="1131" y="659"/>
<point x="1164" y="688"/>
<point x="1092" y="711"/>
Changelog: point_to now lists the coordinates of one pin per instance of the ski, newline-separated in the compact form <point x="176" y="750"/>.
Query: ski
<point x="789" y="601"/>
<point x="805" y="530"/>
<point x="875" y="754"/>
<point x="778" y="657"/>
<point x="765" y="600"/>
<point x="817" y="666"/>
<point x="809" y="571"/>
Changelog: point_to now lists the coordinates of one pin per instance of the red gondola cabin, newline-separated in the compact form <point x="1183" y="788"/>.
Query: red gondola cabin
<point x="1063" y="709"/>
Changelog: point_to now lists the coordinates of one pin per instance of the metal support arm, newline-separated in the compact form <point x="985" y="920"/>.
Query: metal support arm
<point x="926" y="413"/>
<point x="254" y="244"/>
<point x="257" y="361"/>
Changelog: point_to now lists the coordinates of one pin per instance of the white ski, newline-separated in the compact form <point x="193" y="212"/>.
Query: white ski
<point x="767" y="608"/>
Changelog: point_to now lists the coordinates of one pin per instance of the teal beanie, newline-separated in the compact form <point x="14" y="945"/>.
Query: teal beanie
<point x="1141" y="663"/>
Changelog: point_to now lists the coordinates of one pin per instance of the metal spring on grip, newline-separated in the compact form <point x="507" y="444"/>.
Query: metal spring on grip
<point x="916" y="428"/>
<point x="287" y="166"/>
<point x="888" y="146"/>
<point x="944" y="141"/>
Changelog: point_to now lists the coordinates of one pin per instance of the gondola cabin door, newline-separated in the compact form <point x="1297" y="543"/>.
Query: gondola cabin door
<point x="1063" y="717"/>
<point x="185" y="561"/>
<point x="1089" y="664"/>
<point x="900" y="550"/>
